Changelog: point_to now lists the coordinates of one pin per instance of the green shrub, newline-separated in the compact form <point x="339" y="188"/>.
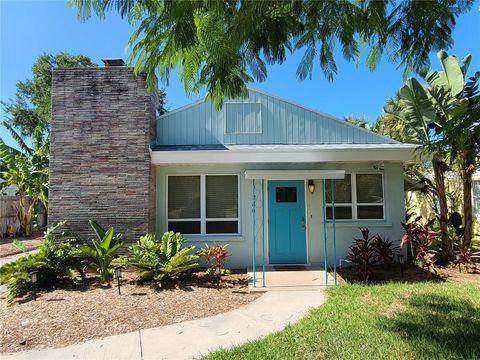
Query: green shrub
<point x="58" y="257"/>
<point x="156" y="260"/>
<point x="102" y="252"/>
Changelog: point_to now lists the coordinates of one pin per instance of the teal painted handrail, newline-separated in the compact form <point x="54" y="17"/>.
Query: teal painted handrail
<point x="254" y="200"/>
<point x="263" y="232"/>
<point x="334" y="233"/>
<point x="324" y="210"/>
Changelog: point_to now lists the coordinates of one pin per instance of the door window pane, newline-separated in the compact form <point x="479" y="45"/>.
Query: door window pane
<point x="369" y="188"/>
<point x="286" y="194"/>
<point x="184" y="197"/>
<point x="222" y="196"/>
<point x="342" y="187"/>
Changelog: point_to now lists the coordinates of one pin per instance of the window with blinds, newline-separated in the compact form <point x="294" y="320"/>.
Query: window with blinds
<point x="369" y="196"/>
<point x="358" y="196"/>
<point x="203" y="204"/>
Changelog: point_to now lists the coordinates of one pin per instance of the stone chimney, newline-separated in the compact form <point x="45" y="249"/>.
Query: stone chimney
<point x="103" y="122"/>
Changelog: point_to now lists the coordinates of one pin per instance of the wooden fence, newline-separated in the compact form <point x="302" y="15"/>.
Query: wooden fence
<point x="8" y="213"/>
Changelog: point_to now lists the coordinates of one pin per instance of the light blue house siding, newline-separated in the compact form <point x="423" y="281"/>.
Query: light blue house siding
<point x="241" y="245"/>
<point x="265" y="133"/>
<point x="259" y="119"/>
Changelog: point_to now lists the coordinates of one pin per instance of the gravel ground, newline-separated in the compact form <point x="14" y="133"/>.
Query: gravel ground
<point x="71" y="315"/>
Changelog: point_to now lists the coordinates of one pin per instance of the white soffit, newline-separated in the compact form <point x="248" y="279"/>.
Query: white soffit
<point x="250" y="154"/>
<point x="294" y="174"/>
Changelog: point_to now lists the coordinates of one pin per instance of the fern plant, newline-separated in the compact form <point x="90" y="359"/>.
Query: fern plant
<point x="57" y="258"/>
<point x="157" y="260"/>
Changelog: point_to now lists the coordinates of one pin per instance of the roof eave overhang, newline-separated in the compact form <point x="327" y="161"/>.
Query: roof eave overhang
<point x="282" y="156"/>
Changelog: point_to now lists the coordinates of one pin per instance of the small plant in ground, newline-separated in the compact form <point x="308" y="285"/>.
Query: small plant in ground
<point x="102" y="252"/>
<point x="384" y="250"/>
<point x="362" y="253"/>
<point x="57" y="258"/>
<point x="157" y="260"/>
<point x="420" y="238"/>
<point x="215" y="255"/>
<point x="463" y="256"/>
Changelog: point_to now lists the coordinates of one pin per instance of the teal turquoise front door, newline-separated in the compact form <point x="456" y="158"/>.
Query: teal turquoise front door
<point x="286" y="222"/>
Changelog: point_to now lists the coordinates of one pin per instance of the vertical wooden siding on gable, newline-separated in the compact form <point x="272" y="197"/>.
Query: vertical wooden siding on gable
<point x="280" y="122"/>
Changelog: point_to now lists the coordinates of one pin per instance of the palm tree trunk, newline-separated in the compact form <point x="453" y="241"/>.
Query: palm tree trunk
<point x="466" y="173"/>
<point x="439" y="169"/>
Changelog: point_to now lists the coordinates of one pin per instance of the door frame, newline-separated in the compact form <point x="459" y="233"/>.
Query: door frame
<point x="307" y="222"/>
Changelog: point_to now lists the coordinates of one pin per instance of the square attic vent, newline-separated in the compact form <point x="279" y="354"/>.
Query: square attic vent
<point x="114" y="62"/>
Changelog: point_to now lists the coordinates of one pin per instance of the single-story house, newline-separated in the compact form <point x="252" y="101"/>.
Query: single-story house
<point x="279" y="182"/>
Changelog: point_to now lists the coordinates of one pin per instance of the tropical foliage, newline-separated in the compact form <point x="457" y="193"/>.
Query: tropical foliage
<point x="444" y="115"/>
<point x="102" y="251"/>
<point x="367" y="250"/>
<point x="420" y="237"/>
<point x="223" y="45"/>
<point x="26" y="168"/>
<point x="32" y="106"/>
<point x="156" y="260"/>
<point x="215" y="255"/>
<point x="57" y="258"/>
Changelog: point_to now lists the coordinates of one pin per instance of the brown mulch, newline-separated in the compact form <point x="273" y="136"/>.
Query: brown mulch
<point x="414" y="273"/>
<point x="7" y="248"/>
<point x="72" y="314"/>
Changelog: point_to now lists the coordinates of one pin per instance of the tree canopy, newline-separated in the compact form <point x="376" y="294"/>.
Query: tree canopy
<point x="223" y="45"/>
<point x="32" y="105"/>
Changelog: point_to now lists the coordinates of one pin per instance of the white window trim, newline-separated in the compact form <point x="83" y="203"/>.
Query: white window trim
<point x="354" y="204"/>
<point x="203" y="206"/>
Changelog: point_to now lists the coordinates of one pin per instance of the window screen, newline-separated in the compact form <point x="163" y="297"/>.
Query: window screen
<point x="342" y="188"/>
<point x="222" y="196"/>
<point x="369" y="188"/>
<point x="184" y="197"/>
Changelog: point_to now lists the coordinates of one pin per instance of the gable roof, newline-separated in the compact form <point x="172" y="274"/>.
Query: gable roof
<point x="261" y="118"/>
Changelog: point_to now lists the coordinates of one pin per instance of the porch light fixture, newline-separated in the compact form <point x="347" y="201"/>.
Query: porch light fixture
<point x="311" y="186"/>
<point x="118" y="275"/>
<point x="34" y="278"/>
<point x="401" y="260"/>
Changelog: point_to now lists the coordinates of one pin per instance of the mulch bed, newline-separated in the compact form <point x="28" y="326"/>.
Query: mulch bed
<point x="414" y="273"/>
<point x="73" y="314"/>
<point x="7" y="248"/>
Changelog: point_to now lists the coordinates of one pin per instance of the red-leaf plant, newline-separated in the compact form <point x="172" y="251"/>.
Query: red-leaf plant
<point x="361" y="253"/>
<point x="420" y="237"/>
<point x="464" y="256"/>
<point x="384" y="250"/>
<point x="215" y="255"/>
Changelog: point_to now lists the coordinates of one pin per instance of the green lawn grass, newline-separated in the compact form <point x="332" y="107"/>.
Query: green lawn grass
<point x="391" y="321"/>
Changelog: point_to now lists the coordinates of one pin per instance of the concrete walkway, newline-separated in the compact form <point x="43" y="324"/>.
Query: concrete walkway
<point x="10" y="258"/>
<point x="192" y="339"/>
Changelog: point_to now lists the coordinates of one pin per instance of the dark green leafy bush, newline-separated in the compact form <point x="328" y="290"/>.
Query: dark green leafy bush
<point x="102" y="251"/>
<point x="156" y="260"/>
<point x="57" y="258"/>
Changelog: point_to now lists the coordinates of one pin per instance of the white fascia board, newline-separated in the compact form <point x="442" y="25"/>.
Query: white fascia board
<point x="280" y="156"/>
<point x="294" y="174"/>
